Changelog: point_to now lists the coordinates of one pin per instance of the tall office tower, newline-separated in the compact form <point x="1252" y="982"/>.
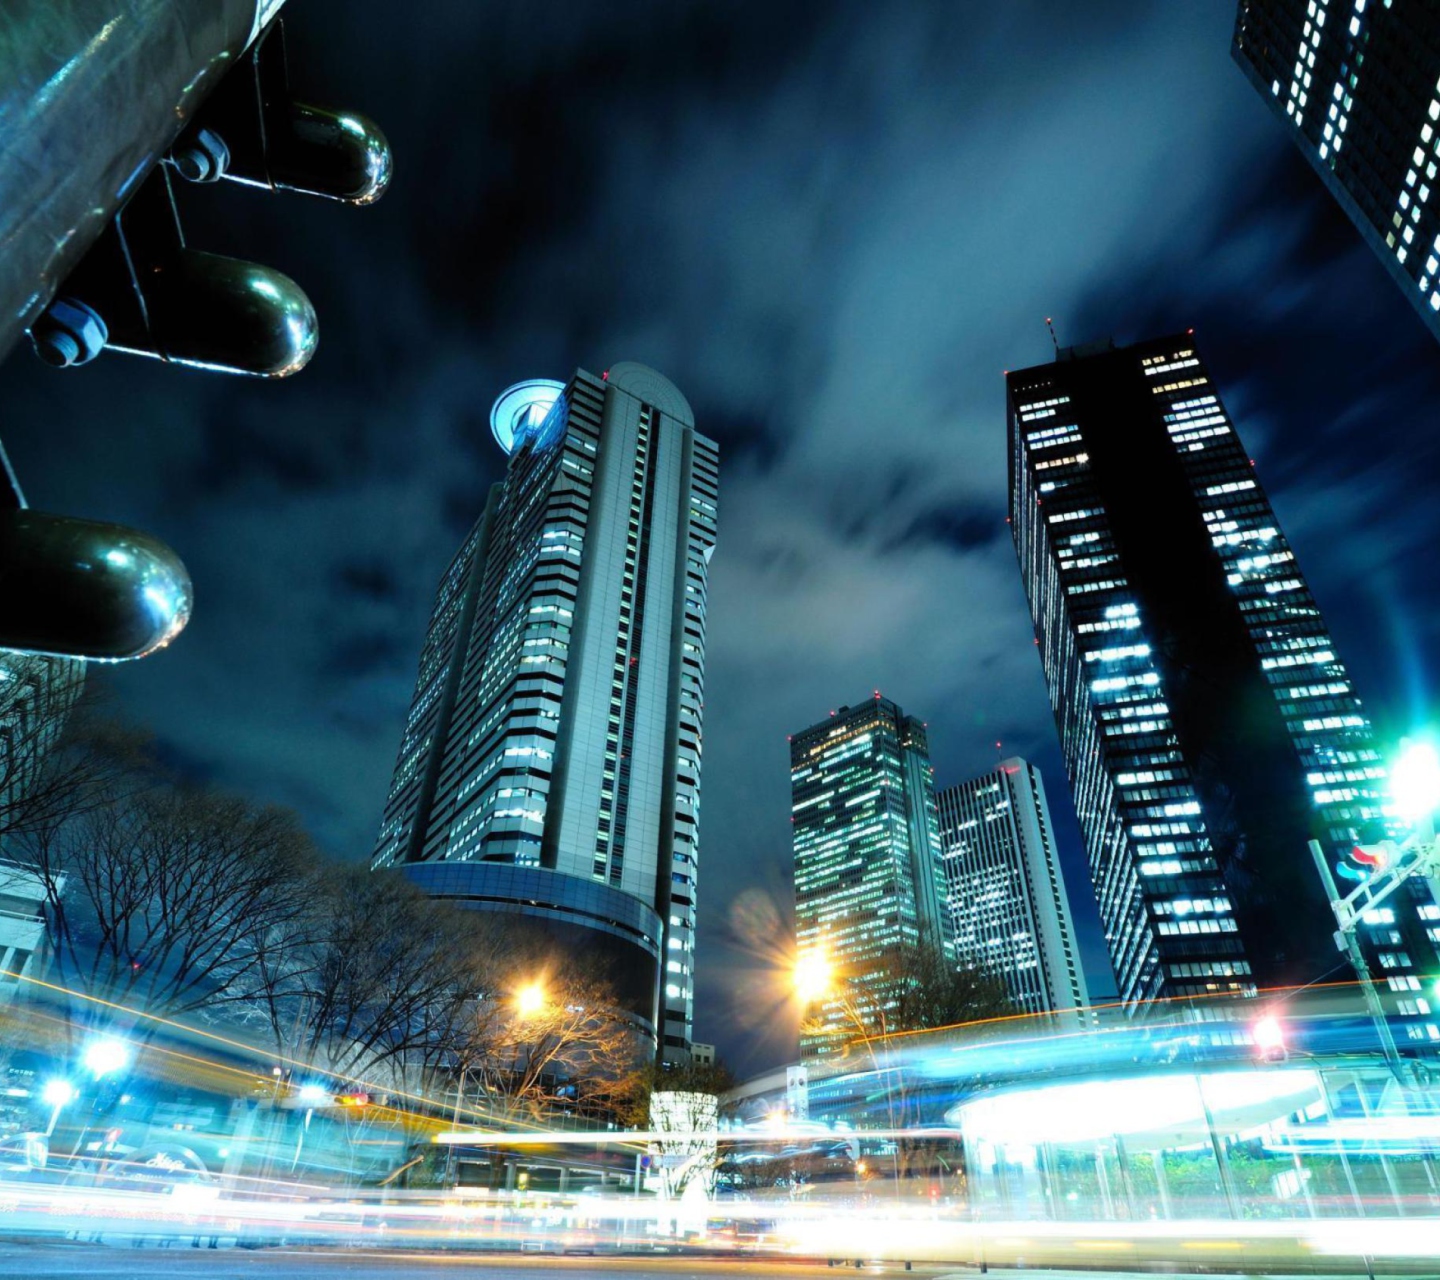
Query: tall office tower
<point x="1008" y="905"/>
<point x="1208" y="726"/>
<point x="868" y="880"/>
<point x="1358" y="87"/>
<point x="550" y="766"/>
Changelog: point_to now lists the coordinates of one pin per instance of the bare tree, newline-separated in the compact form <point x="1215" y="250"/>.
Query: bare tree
<point x="544" y="1038"/>
<point x="369" y="981"/>
<point x="59" y="754"/>
<point x="918" y="989"/>
<point x="154" y="902"/>
<point x="930" y="991"/>
<point x="655" y="1077"/>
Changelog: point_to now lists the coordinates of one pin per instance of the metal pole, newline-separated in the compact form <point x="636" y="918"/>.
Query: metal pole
<point x="1339" y="1144"/>
<point x="1346" y="940"/>
<point x="1221" y="1163"/>
<point x="1162" y="1184"/>
<point x="452" y="1160"/>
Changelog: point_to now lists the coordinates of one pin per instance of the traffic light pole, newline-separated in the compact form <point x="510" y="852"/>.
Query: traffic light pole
<point x="1346" y="941"/>
<point x="1418" y="854"/>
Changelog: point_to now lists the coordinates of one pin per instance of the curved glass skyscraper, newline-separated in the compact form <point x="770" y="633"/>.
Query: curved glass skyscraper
<point x="550" y="766"/>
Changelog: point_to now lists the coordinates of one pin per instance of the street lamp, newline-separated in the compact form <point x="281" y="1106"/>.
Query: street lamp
<point x="106" y="1056"/>
<point x="530" y="1000"/>
<point x="814" y="977"/>
<point x="1415" y="781"/>
<point x="57" y="1095"/>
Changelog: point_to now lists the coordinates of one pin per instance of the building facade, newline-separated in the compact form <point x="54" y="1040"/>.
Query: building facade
<point x="868" y="882"/>
<point x="550" y="765"/>
<point x="1008" y="906"/>
<point x="1357" y="86"/>
<point x="37" y="694"/>
<point x="1208" y="726"/>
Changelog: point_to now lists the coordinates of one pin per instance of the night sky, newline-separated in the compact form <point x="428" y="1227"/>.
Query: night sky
<point x="832" y="225"/>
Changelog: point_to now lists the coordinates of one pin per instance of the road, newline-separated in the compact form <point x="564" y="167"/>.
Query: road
<point x="100" y="1262"/>
<point x="51" y="1259"/>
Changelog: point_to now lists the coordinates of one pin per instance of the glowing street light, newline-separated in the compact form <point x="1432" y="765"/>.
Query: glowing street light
<point x="813" y="977"/>
<point x="58" y="1093"/>
<point x="106" y="1056"/>
<point x="1415" y="781"/>
<point x="530" y="1000"/>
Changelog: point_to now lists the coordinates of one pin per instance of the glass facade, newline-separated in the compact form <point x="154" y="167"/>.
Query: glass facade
<point x="1006" y="892"/>
<point x="1357" y="84"/>
<point x="1207" y="724"/>
<point x="556" y="722"/>
<point x="868" y="879"/>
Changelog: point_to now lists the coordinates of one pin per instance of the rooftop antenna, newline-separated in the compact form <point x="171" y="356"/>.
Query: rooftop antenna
<point x="1053" y="338"/>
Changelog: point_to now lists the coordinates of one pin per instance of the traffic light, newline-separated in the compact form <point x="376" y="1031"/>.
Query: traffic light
<point x="1366" y="858"/>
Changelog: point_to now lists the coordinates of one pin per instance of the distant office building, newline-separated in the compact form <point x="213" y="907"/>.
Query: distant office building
<point x="550" y="766"/>
<point x="1008" y="905"/>
<point x="702" y="1055"/>
<point x="868" y="880"/>
<point x="1207" y="723"/>
<point x="24" y="947"/>
<point x="1358" y="87"/>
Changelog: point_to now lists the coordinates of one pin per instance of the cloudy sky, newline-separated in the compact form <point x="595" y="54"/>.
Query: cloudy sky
<point x="833" y="225"/>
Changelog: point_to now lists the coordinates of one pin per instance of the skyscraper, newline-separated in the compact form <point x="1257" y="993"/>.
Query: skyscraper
<point x="1208" y="726"/>
<point x="1008" y="905"/>
<point x="868" y="881"/>
<point x="1357" y="85"/>
<point x="550" y="766"/>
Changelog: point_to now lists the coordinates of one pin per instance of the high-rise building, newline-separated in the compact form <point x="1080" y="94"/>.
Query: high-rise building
<point x="1357" y="86"/>
<point x="1008" y="906"/>
<point x="550" y="766"/>
<point x="868" y="880"/>
<point x="1207" y="723"/>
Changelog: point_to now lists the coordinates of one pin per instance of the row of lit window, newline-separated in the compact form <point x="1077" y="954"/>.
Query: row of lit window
<point x="1305" y="62"/>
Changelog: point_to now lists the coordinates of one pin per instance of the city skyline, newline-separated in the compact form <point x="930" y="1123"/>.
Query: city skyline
<point x="907" y="200"/>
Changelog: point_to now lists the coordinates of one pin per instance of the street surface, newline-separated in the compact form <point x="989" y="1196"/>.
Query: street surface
<point x="99" y="1262"/>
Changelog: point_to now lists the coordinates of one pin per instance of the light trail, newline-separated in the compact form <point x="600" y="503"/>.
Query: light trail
<point x="1126" y="1146"/>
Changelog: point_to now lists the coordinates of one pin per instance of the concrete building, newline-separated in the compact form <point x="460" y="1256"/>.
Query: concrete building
<point x="1006" y="892"/>
<point x="550" y="766"/>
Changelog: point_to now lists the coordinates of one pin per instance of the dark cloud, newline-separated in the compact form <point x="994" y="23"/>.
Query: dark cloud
<point x="833" y="225"/>
<point x="954" y="527"/>
<point x="373" y="579"/>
